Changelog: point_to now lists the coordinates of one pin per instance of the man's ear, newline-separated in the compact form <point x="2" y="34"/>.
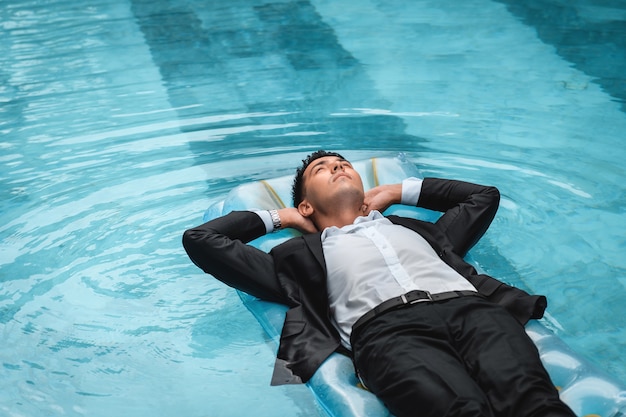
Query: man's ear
<point x="305" y="208"/>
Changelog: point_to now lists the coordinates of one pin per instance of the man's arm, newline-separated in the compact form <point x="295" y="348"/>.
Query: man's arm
<point x="468" y="208"/>
<point x="219" y="248"/>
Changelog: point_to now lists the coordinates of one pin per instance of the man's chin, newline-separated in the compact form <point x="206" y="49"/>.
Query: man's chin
<point x="351" y="191"/>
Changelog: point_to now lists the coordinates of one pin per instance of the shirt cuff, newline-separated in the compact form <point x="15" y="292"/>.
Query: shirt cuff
<point x="411" y="190"/>
<point x="267" y="220"/>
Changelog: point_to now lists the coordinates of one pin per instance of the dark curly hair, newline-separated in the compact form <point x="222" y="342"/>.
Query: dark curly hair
<point x="298" y="182"/>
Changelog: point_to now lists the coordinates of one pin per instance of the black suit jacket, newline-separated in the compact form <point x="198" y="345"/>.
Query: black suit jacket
<point x="294" y="272"/>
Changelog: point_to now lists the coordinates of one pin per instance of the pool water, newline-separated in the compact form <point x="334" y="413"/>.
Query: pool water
<point x="121" y="121"/>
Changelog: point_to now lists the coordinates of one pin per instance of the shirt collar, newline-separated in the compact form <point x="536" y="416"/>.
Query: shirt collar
<point x="359" y="221"/>
<point x="373" y="215"/>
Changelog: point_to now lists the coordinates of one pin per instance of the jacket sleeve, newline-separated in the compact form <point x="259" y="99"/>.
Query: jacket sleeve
<point x="468" y="209"/>
<point x="219" y="247"/>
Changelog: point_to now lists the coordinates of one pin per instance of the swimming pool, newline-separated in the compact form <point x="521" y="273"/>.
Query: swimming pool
<point x="122" y="121"/>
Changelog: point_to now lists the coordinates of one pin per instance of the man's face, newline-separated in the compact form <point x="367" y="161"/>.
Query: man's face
<point x="329" y="178"/>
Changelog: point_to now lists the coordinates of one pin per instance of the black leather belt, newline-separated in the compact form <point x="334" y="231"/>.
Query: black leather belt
<point x="411" y="297"/>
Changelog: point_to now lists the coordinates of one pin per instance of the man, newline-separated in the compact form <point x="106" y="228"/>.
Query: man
<point x="428" y="334"/>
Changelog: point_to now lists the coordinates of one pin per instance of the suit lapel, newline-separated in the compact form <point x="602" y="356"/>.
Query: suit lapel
<point x="314" y="243"/>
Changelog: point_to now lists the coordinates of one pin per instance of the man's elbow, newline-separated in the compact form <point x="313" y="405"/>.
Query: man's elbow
<point x="188" y="239"/>
<point x="489" y="198"/>
<point x="494" y="194"/>
<point x="192" y="243"/>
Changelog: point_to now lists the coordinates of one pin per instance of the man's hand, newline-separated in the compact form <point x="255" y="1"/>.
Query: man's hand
<point x="291" y="217"/>
<point x="381" y="197"/>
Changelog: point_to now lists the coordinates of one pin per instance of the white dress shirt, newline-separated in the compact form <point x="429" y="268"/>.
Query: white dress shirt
<point x="373" y="260"/>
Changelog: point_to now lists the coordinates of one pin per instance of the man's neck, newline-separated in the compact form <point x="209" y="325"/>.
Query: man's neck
<point x="338" y="219"/>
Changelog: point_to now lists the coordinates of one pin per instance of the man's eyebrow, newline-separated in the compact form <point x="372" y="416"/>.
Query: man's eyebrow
<point x="318" y="163"/>
<point x="326" y="161"/>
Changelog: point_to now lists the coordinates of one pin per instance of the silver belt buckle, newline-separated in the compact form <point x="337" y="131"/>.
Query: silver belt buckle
<point x="419" y="300"/>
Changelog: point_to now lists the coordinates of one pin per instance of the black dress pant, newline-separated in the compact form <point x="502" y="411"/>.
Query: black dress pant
<point x="460" y="357"/>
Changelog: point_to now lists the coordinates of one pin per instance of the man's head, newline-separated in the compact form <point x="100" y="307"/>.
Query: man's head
<point x="326" y="184"/>
<point x="297" y="189"/>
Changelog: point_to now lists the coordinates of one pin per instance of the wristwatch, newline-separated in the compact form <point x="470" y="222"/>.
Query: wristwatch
<point x="275" y="219"/>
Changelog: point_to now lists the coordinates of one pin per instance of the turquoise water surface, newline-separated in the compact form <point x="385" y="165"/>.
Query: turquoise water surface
<point x="121" y="121"/>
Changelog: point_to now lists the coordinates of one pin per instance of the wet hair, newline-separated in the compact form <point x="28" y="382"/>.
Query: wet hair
<point x="298" y="182"/>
